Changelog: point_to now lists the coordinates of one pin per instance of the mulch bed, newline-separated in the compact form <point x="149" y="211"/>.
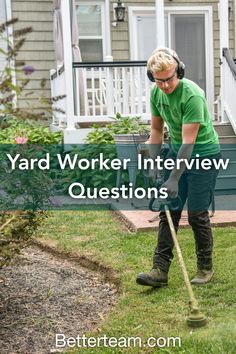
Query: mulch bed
<point x="44" y="294"/>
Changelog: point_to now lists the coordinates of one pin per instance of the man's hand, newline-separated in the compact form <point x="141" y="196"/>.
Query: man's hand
<point x="143" y="150"/>
<point x="172" y="187"/>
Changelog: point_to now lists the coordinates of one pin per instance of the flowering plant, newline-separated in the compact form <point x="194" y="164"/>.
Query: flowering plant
<point x="15" y="77"/>
<point x="21" y="140"/>
<point x="23" y="194"/>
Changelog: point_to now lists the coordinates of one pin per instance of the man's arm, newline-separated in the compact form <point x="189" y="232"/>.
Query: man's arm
<point x="152" y="147"/>
<point x="189" y="135"/>
<point x="156" y="136"/>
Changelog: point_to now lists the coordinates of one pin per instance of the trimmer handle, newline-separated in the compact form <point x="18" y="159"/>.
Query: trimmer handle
<point x="174" y="204"/>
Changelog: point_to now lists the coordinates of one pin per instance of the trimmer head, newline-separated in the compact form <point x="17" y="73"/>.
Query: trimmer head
<point x="196" y="319"/>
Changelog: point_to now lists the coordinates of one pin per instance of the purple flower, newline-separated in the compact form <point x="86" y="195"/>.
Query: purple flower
<point x="28" y="70"/>
<point x="21" y="140"/>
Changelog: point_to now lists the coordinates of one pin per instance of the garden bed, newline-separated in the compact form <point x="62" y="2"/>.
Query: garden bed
<point x="43" y="294"/>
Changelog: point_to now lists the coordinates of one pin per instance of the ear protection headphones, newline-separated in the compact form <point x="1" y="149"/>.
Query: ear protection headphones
<point x="180" y="65"/>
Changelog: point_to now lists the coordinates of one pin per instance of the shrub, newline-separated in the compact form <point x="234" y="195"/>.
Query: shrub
<point x="101" y="141"/>
<point x="121" y="125"/>
<point x="10" y="91"/>
<point x="16" y="228"/>
<point x="24" y="190"/>
<point x="34" y="133"/>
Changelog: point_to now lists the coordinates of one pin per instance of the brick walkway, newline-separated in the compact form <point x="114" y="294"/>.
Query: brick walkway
<point x="139" y="220"/>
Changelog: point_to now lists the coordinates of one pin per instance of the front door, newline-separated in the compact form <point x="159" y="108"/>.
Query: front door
<point x="145" y="26"/>
<point x="186" y="31"/>
<point x="187" y="37"/>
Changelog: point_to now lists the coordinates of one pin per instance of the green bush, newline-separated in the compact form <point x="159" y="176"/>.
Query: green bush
<point x="16" y="228"/>
<point x="101" y="141"/>
<point x="24" y="190"/>
<point x="33" y="132"/>
<point x="11" y="91"/>
<point x="121" y="125"/>
<point x="90" y="177"/>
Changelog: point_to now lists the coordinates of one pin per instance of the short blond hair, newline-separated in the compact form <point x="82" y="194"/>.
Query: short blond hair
<point x="162" y="59"/>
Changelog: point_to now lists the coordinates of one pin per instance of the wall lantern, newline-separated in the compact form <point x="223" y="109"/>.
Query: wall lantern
<point x="120" y="11"/>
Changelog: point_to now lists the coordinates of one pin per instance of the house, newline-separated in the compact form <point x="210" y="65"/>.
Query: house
<point x="115" y="80"/>
<point x="38" y="50"/>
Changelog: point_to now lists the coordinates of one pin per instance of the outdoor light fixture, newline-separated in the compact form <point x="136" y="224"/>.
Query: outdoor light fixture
<point x="120" y="12"/>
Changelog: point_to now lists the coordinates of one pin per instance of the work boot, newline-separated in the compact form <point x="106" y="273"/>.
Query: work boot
<point x="155" y="278"/>
<point x="202" y="277"/>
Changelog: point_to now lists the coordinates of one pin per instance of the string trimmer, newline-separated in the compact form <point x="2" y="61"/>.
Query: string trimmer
<point x="195" y="318"/>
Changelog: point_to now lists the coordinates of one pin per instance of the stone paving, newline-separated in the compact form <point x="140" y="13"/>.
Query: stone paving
<point x="142" y="220"/>
<point x="137" y="217"/>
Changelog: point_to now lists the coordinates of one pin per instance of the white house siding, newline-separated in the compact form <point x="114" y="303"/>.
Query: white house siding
<point x="38" y="49"/>
<point x="120" y="34"/>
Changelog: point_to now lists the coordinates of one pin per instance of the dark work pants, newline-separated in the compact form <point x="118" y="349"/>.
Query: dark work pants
<point x="197" y="187"/>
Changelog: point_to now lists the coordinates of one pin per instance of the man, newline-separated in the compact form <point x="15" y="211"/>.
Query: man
<point x="181" y="105"/>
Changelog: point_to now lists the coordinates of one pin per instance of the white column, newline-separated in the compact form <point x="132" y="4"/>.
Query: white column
<point x="160" y="23"/>
<point x="234" y="28"/>
<point x="8" y="9"/>
<point x="224" y="24"/>
<point x="224" y="43"/>
<point x="107" y="28"/>
<point x="109" y="87"/>
<point x="67" y="47"/>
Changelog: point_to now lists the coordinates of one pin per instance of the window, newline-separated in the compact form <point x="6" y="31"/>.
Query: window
<point x="91" y="32"/>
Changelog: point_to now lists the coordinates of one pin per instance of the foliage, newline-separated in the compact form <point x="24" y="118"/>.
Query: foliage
<point x="101" y="141"/>
<point x="23" y="196"/>
<point x="16" y="228"/>
<point x="23" y="193"/>
<point x="35" y="133"/>
<point x="23" y="189"/>
<point x="10" y="90"/>
<point x="121" y="125"/>
<point x="90" y="177"/>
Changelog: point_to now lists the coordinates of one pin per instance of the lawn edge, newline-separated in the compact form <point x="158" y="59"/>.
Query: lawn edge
<point x="108" y="273"/>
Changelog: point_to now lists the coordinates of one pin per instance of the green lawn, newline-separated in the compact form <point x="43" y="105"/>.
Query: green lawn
<point x="144" y="312"/>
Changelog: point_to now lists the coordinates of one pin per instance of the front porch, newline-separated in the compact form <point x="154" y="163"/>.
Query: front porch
<point x="96" y="91"/>
<point x="100" y="91"/>
<point x="121" y="87"/>
<point x="107" y="88"/>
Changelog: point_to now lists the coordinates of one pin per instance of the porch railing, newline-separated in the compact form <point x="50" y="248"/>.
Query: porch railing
<point x="57" y="79"/>
<point x="112" y="87"/>
<point x="228" y="99"/>
<point x="103" y="89"/>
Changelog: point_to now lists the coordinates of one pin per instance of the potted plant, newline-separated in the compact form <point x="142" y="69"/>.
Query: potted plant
<point x="126" y="133"/>
<point x="129" y="134"/>
<point x="129" y="131"/>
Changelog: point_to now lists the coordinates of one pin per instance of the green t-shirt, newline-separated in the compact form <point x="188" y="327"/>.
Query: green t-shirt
<point x="187" y="104"/>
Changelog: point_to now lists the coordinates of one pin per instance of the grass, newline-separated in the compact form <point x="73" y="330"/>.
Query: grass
<point x="146" y="312"/>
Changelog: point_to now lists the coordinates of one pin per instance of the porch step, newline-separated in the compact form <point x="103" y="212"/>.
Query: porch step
<point x="88" y="123"/>
<point x="227" y="139"/>
<point x="224" y="129"/>
<point x="226" y="133"/>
